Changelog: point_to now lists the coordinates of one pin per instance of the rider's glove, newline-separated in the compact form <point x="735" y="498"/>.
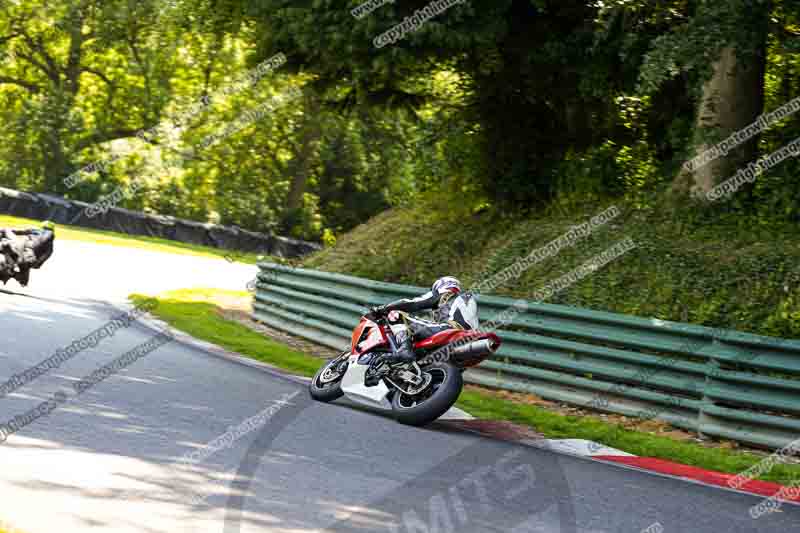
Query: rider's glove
<point x="376" y="312"/>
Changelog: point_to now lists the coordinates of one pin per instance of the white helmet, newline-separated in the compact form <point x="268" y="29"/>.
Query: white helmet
<point x="447" y="283"/>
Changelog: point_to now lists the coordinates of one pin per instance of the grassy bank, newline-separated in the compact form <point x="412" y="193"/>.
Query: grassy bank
<point x="110" y="238"/>
<point x="194" y="312"/>
<point x="198" y="313"/>
<point x="689" y="265"/>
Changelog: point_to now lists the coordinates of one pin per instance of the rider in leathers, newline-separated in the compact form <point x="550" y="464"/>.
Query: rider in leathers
<point x="451" y="309"/>
<point x="24" y="249"/>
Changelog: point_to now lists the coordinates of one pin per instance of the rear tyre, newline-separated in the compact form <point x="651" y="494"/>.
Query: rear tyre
<point x="326" y="385"/>
<point x="433" y="401"/>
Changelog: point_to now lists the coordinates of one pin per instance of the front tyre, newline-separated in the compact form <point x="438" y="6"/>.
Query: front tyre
<point x="327" y="383"/>
<point x="433" y="401"/>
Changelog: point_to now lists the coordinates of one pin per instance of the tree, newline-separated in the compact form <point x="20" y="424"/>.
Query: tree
<point x="722" y="46"/>
<point x="521" y="66"/>
<point x="85" y="73"/>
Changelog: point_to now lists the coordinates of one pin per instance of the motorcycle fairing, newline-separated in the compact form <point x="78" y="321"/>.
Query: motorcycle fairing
<point x="357" y="333"/>
<point x="353" y="386"/>
<point x="449" y="336"/>
<point x="374" y="338"/>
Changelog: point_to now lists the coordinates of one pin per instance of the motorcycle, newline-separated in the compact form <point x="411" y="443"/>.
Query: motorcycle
<point x="23" y="250"/>
<point x="417" y="392"/>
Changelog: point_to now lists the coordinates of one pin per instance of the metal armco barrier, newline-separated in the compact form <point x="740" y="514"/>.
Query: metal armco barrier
<point x="719" y="383"/>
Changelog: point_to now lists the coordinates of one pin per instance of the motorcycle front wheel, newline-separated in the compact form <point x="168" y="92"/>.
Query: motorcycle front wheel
<point x="433" y="401"/>
<point x="327" y="383"/>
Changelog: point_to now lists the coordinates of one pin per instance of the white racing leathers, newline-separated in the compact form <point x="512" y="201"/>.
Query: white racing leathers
<point x="449" y="310"/>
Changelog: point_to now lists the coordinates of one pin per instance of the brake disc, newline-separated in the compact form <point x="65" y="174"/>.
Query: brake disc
<point x="414" y="390"/>
<point x="333" y="372"/>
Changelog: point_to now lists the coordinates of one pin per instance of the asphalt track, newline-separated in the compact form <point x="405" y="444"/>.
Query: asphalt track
<point x="109" y="459"/>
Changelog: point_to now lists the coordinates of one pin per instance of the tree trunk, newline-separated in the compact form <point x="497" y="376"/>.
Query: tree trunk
<point x="304" y="160"/>
<point x="56" y="164"/>
<point x="731" y="100"/>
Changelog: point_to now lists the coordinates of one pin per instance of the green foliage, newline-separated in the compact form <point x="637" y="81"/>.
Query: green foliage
<point x="585" y="177"/>
<point x="638" y="167"/>
<point x="192" y="312"/>
<point x="328" y="238"/>
<point x="515" y="105"/>
<point x="698" y="32"/>
<point x="690" y="265"/>
<point x="555" y="425"/>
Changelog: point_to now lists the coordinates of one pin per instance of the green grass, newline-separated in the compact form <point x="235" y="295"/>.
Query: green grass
<point x="688" y="266"/>
<point x="556" y="426"/>
<point x="111" y="238"/>
<point x="194" y="312"/>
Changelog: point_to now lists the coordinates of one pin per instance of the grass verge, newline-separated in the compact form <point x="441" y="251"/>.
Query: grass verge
<point x="556" y="426"/>
<point x="198" y="313"/>
<point x="194" y="312"/>
<point x="111" y="238"/>
<point x="688" y="266"/>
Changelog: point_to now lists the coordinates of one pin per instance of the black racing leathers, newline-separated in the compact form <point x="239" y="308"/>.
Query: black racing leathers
<point x="421" y="329"/>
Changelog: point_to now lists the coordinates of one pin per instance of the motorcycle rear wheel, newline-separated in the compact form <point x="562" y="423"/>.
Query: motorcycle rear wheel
<point x="433" y="401"/>
<point x="326" y="385"/>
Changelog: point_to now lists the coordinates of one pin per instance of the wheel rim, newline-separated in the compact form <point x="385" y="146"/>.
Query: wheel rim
<point x="438" y="375"/>
<point x="333" y="372"/>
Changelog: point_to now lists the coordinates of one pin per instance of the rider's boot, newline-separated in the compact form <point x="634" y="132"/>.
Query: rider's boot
<point x="405" y="353"/>
<point x="383" y="365"/>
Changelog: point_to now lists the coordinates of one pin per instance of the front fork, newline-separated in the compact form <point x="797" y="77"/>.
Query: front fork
<point x="408" y="376"/>
<point x="388" y="334"/>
